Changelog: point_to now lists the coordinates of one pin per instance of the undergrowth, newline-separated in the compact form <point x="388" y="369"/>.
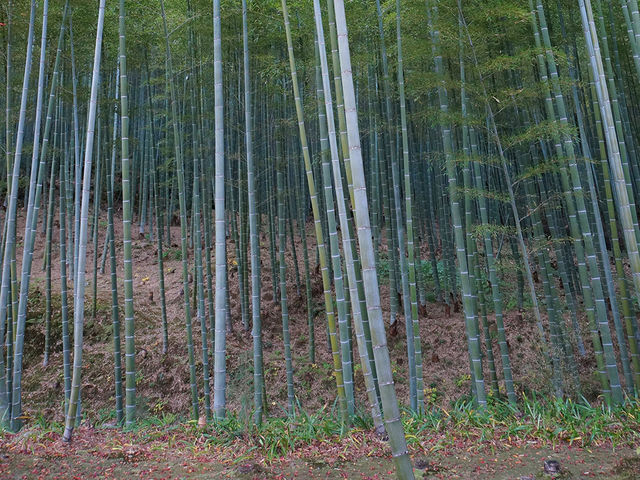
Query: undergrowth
<point x="547" y="421"/>
<point x="552" y="421"/>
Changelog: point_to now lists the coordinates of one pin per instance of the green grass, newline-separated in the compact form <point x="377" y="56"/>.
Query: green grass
<point x="172" y="253"/>
<point x="552" y="421"/>
<point x="542" y="420"/>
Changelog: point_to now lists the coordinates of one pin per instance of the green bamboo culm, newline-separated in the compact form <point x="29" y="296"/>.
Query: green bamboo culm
<point x="322" y="253"/>
<point x="345" y="231"/>
<point x="82" y="247"/>
<point x="469" y="306"/>
<point x="47" y="253"/>
<point x="45" y="142"/>
<point x="64" y="304"/>
<point x="579" y="222"/>
<point x="411" y="261"/>
<point x="334" y="249"/>
<point x="199" y="276"/>
<point x="283" y="281"/>
<point x="220" y="350"/>
<point x="404" y="469"/>
<point x="396" y="223"/>
<point x="16" y="327"/>
<point x="258" y="380"/>
<point x="613" y="149"/>
<point x="8" y="133"/>
<point x="129" y="342"/>
<point x="115" y="308"/>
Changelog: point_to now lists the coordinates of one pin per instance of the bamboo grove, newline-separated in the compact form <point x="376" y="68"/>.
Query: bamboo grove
<point x="483" y="155"/>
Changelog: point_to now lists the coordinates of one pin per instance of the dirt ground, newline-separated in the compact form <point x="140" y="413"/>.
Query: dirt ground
<point x="108" y="454"/>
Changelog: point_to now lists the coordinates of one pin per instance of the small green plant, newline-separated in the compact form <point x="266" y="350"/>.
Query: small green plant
<point x="172" y="253"/>
<point x="462" y="379"/>
<point x="158" y="407"/>
<point x="383" y="270"/>
<point x="431" y="395"/>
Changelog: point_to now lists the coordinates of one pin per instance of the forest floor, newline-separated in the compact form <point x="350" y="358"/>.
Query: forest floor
<point x="177" y="449"/>
<point x="182" y="454"/>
